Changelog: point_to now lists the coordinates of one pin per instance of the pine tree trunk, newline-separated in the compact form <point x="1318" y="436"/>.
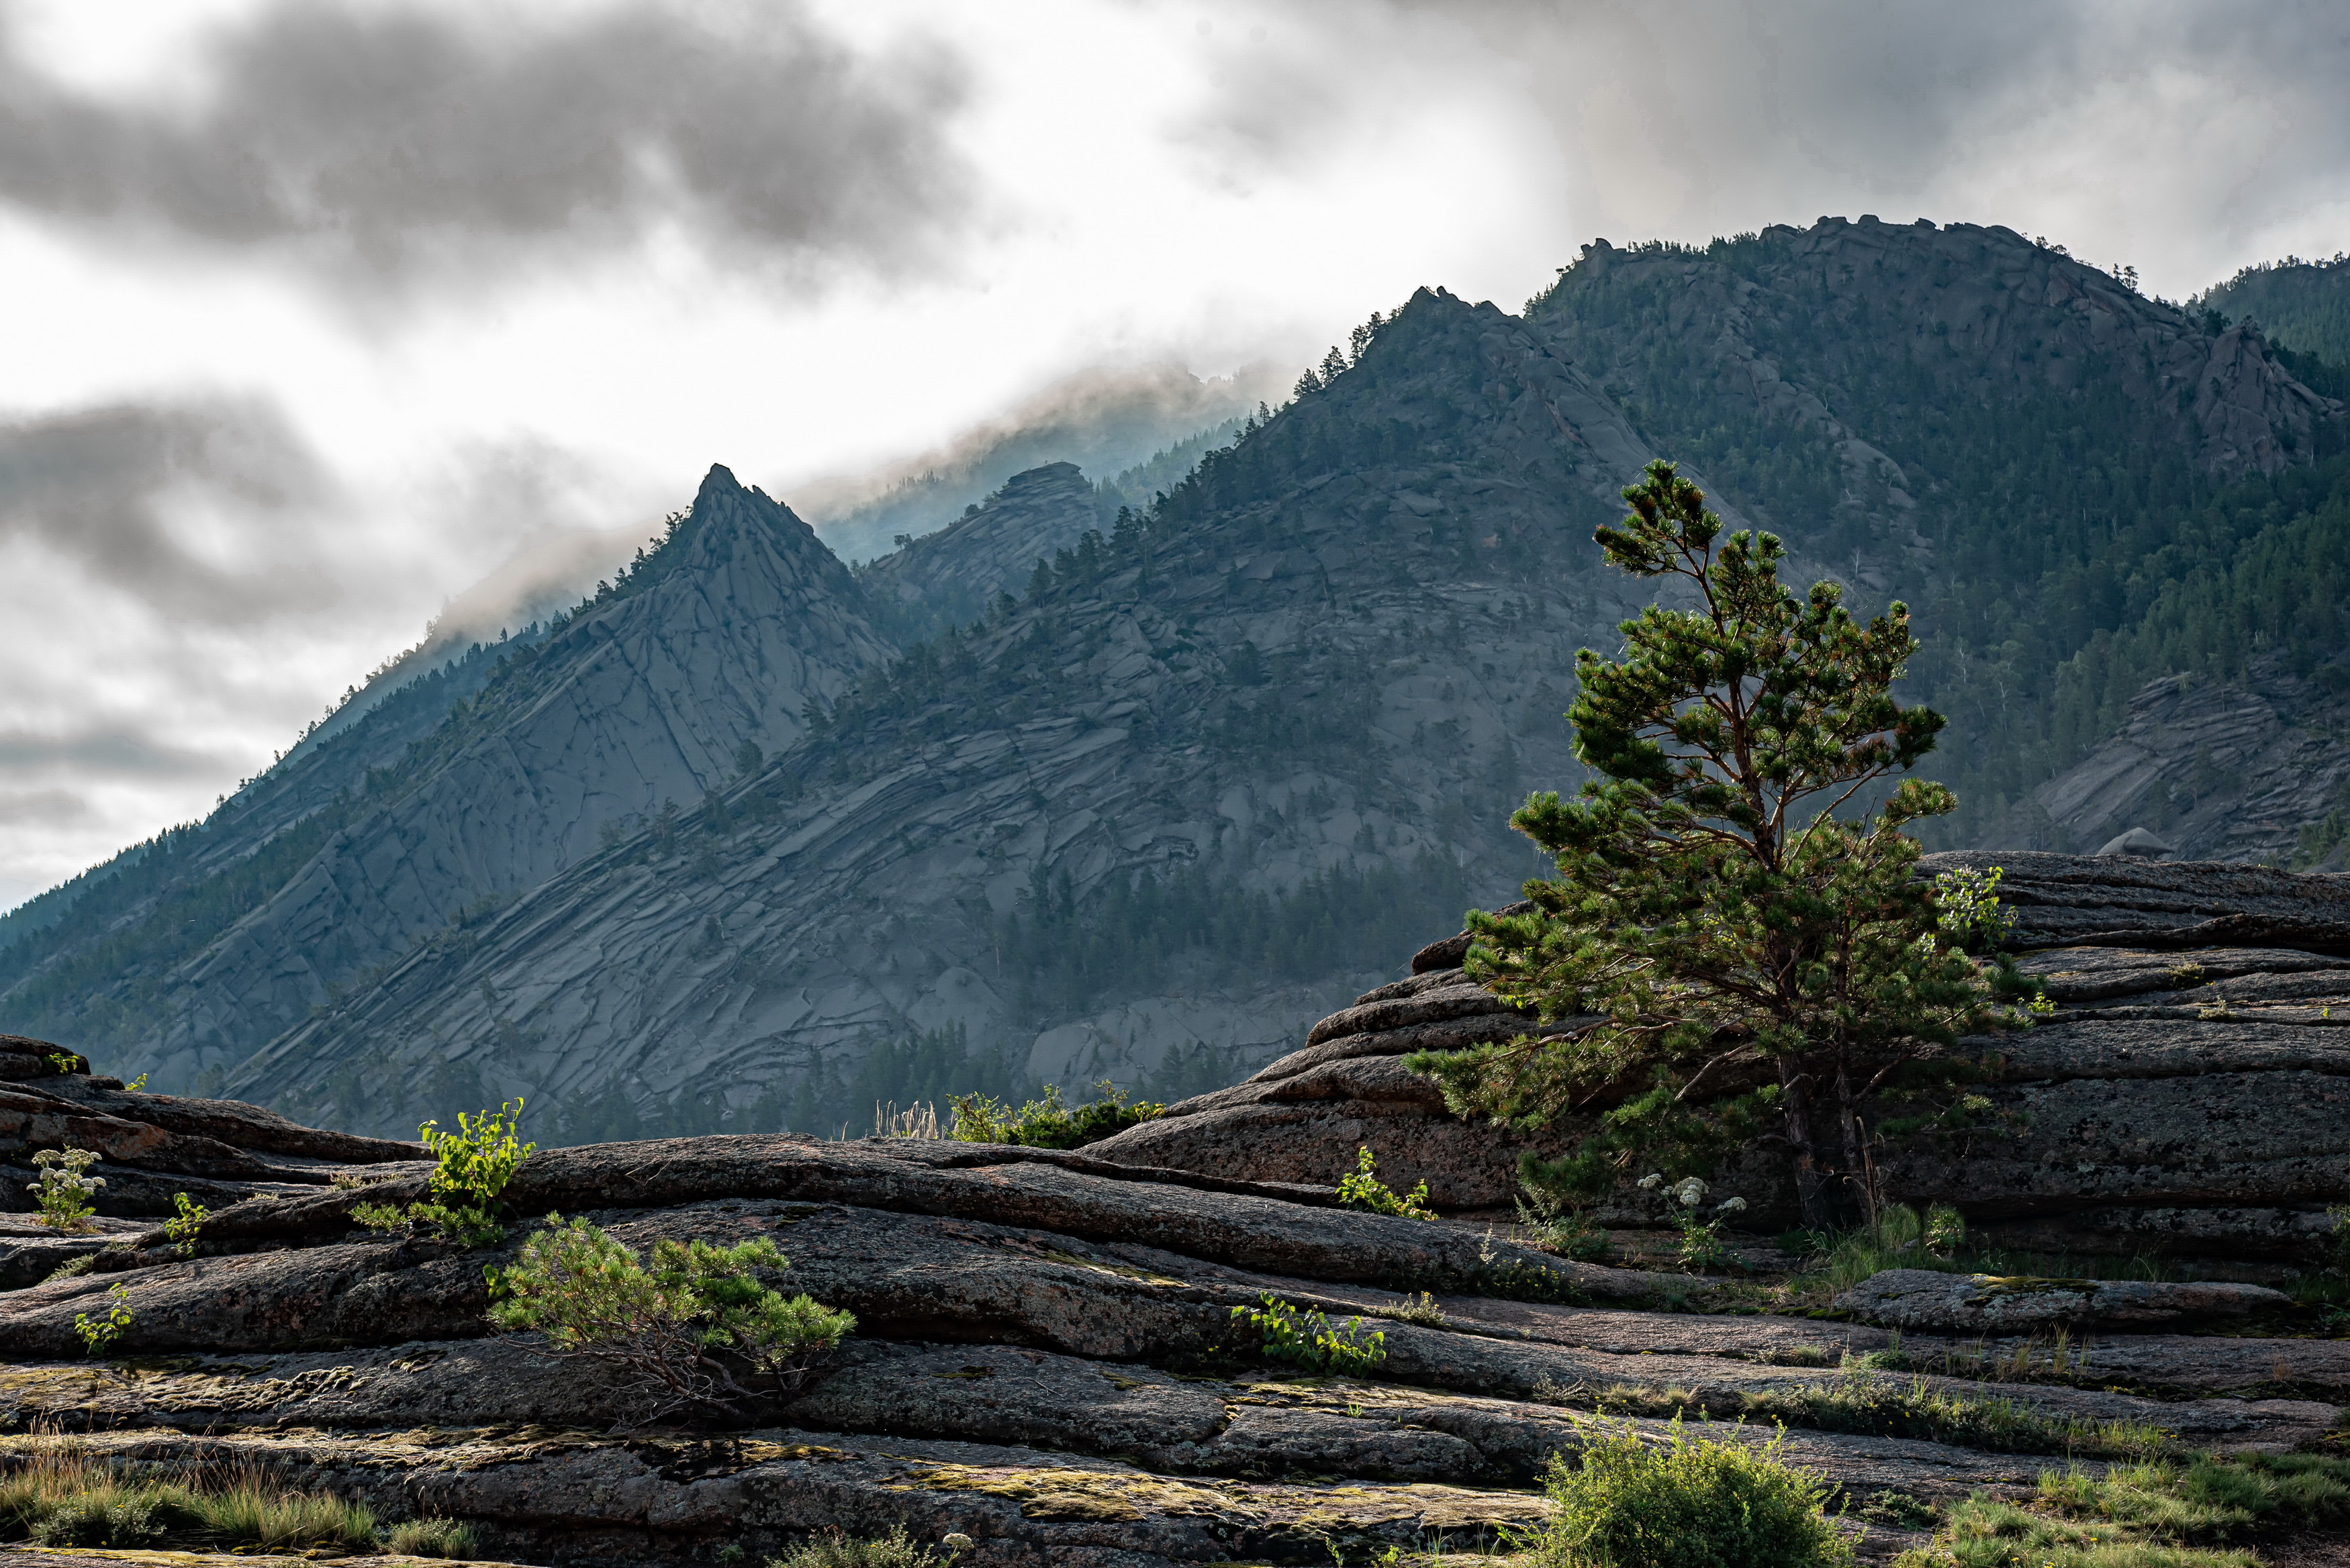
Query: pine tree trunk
<point x="1812" y="1193"/>
<point x="1855" y="1162"/>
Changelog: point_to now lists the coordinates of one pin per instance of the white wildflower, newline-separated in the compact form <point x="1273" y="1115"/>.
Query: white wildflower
<point x="1731" y="1206"/>
<point x="1649" y="1181"/>
<point x="1689" y="1193"/>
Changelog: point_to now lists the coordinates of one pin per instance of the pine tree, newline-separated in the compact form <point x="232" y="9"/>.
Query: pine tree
<point x="1753" y="957"/>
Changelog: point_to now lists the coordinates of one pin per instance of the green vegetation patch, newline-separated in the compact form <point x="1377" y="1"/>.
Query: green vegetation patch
<point x="1686" y="1502"/>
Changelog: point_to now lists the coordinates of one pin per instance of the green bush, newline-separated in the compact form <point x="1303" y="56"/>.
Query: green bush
<point x="1306" y="1339"/>
<point x="1686" y="1502"/>
<point x="678" y="1332"/>
<point x="102" y="1519"/>
<point x="100" y="1329"/>
<point x="1048" y="1122"/>
<point x="185" y="1227"/>
<point x="471" y="1167"/>
<point x="1364" y="1189"/>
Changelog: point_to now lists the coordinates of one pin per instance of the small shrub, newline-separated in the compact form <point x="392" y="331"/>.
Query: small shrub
<point x="894" y="1550"/>
<point x="473" y="1166"/>
<point x="1550" y="1223"/>
<point x="1362" y="1190"/>
<point x="1420" y="1309"/>
<point x="64" y="1188"/>
<point x="1048" y="1122"/>
<point x="677" y="1330"/>
<point x="184" y="1227"/>
<point x="1700" y="1246"/>
<point x="100" y="1519"/>
<point x="1686" y="1502"/>
<point x="434" y="1538"/>
<point x="1306" y="1339"/>
<point x="1946" y="1230"/>
<point x="1968" y="910"/>
<point x="101" y="1329"/>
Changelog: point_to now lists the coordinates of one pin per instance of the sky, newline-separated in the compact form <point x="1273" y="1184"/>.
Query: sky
<point x="323" y="312"/>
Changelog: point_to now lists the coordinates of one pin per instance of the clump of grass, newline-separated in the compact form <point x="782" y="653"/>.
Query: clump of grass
<point x="1901" y="1238"/>
<point x="1048" y="1122"/>
<point x="72" y="1268"/>
<point x="58" y="1494"/>
<point x="433" y="1538"/>
<point x="1891" y="1407"/>
<point x="1686" y="1502"/>
<point x="2166" y="1513"/>
<point x="1420" y="1309"/>
<point x="894" y="1550"/>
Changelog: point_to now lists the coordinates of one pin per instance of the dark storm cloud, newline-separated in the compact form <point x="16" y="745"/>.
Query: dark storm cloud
<point x="387" y="142"/>
<point x="111" y="488"/>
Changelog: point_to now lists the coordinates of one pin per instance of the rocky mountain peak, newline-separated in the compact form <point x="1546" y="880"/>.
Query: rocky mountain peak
<point x="947" y="577"/>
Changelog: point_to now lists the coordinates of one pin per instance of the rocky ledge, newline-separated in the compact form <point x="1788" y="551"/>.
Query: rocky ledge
<point x="1047" y="1359"/>
<point x="2190" y="1098"/>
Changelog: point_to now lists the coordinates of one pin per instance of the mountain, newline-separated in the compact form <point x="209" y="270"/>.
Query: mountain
<point x="1109" y="421"/>
<point x="327" y="872"/>
<point x="2303" y="306"/>
<point x="2078" y="489"/>
<point x="752" y="840"/>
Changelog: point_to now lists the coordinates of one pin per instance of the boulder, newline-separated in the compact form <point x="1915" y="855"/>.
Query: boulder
<point x="2139" y="843"/>
<point x="1973" y="1303"/>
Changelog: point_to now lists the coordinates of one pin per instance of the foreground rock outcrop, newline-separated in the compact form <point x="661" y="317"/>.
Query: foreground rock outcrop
<point x="2189" y="1097"/>
<point x="1046" y="1359"/>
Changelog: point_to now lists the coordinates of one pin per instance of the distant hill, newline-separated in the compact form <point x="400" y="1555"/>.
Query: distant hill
<point x="752" y="840"/>
<point x="2303" y="306"/>
<point x="1139" y="429"/>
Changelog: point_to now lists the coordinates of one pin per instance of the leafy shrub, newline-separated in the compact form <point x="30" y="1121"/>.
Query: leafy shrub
<point x="102" y="1519"/>
<point x="1364" y="1189"/>
<point x="1967" y="908"/>
<point x="186" y="1225"/>
<point x="677" y="1331"/>
<point x="434" y="1538"/>
<point x="894" y="1550"/>
<point x="473" y="1166"/>
<point x="1048" y="1122"/>
<point x="1306" y="1339"/>
<point x="101" y="1329"/>
<point x="64" y="1188"/>
<point x="1686" y="1502"/>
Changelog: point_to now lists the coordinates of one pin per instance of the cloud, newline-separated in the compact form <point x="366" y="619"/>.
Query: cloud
<point x="387" y="144"/>
<point x="2176" y="133"/>
<point x="109" y="753"/>
<point x="197" y="508"/>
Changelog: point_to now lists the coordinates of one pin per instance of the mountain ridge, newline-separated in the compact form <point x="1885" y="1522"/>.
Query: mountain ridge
<point x="1146" y="818"/>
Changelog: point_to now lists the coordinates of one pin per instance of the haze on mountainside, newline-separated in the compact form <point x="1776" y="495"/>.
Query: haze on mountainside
<point x="1066" y="788"/>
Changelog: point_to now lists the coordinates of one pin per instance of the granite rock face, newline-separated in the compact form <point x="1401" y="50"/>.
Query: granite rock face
<point x="2189" y="1096"/>
<point x="1046" y="1360"/>
<point x="1974" y="1303"/>
<point x="949" y="577"/>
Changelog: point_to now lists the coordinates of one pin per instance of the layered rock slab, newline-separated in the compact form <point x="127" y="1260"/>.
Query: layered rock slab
<point x="2188" y="1098"/>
